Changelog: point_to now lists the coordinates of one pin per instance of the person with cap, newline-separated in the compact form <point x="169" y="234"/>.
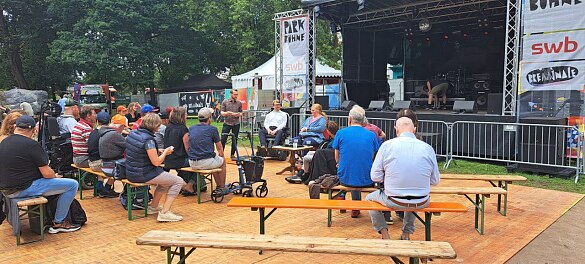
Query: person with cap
<point x="273" y="125"/>
<point x="25" y="172"/>
<point x="95" y="160"/>
<point x="203" y="140"/>
<point x="146" y="109"/>
<point x="231" y="110"/>
<point x="80" y="136"/>
<point x="143" y="166"/>
<point x="67" y="120"/>
<point x="120" y="117"/>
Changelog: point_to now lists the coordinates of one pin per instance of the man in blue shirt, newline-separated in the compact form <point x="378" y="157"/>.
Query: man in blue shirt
<point x="355" y="147"/>
<point x="203" y="139"/>
<point x="408" y="167"/>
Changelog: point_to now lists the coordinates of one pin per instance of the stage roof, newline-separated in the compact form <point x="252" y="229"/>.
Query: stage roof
<point x="200" y="82"/>
<point x="397" y="15"/>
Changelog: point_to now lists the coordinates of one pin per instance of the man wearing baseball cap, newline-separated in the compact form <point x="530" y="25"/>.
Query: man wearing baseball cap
<point x="25" y="172"/>
<point x="203" y="140"/>
<point x="146" y="109"/>
<point x="67" y="120"/>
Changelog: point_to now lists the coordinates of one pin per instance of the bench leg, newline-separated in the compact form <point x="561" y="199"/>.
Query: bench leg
<point x="129" y="201"/>
<point x="330" y="196"/>
<point x="503" y="185"/>
<point x="427" y="223"/>
<point x="182" y="255"/>
<point x="479" y="209"/>
<point x="80" y="179"/>
<point x="198" y="179"/>
<point x="36" y="211"/>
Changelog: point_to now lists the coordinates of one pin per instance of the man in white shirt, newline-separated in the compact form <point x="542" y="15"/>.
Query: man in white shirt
<point x="408" y="167"/>
<point x="273" y="124"/>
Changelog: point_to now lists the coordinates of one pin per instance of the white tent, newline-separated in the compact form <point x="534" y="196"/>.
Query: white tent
<point x="266" y="71"/>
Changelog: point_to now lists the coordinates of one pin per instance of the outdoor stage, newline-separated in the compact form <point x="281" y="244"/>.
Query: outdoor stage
<point x="109" y="237"/>
<point x="437" y="115"/>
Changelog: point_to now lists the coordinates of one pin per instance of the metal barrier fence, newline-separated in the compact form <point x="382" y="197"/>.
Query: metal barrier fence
<point x="251" y="118"/>
<point x="533" y="144"/>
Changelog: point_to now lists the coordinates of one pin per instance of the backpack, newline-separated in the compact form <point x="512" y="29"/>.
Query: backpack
<point x="137" y="199"/>
<point x="76" y="213"/>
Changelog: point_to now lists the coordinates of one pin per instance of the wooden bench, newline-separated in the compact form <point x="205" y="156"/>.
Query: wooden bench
<point x="502" y="182"/>
<point x="414" y="250"/>
<point x="130" y="194"/>
<point x="261" y="204"/>
<point x="207" y="176"/>
<point x="479" y="203"/>
<point x="81" y="178"/>
<point x="33" y="207"/>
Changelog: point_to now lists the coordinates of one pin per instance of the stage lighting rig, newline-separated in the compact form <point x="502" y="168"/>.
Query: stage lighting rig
<point x="361" y="4"/>
<point x="424" y="25"/>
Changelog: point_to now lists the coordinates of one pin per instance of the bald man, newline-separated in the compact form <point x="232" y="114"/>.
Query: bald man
<point x="407" y="167"/>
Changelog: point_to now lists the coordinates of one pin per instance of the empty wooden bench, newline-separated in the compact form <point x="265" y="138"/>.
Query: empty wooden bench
<point x="34" y="208"/>
<point x="206" y="174"/>
<point x="261" y="204"/>
<point x="495" y="180"/>
<point x="479" y="202"/>
<point x="414" y="250"/>
<point x="81" y="178"/>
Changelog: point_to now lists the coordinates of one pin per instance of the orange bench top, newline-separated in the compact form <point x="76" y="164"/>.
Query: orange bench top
<point x="251" y="202"/>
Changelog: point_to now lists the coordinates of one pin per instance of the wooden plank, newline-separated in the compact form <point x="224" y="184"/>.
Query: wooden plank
<point x="378" y="247"/>
<point x="299" y="148"/>
<point x="97" y="173"/>
<point x="252" y="202"/>
<point x="32" y="201"/>
<point x="508" y="178"/>
<point x="188" y="169"/>
<point x="135" y="183"/>
<point x="436" y="190"/>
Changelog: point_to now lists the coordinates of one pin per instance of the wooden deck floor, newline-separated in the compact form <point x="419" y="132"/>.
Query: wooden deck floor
<point x="110" y="237"/>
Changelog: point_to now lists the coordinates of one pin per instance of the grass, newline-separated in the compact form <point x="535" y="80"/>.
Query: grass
<point x="534" y="180"/>
<point x="473" y="167"/>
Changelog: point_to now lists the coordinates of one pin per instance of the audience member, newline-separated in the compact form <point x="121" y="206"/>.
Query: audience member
<point x="274" y="124"/>
<point x="67" y="120"/>
<point x="312" y="130"/>
<point x="145" y="110"/>
<point x="94" y="149"/>
<point x="80" y="136"/>
<point x="143" y="166"/>
<point x="407" y="167"/>
<point x="120" y="118"/>
<point x="8" y="125"/>
<point x="133" y="113"/>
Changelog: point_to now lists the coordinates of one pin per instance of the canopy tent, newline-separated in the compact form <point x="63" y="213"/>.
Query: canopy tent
<point x="200" y="82"/>
<point x="266" y="73"/>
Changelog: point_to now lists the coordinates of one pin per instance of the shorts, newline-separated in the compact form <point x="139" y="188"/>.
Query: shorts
<point x="206" y="164"/>
<point x="440" y="89"/>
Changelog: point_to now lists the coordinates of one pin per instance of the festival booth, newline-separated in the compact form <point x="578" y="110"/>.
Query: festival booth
<point x="327" y="80"/>
<point x="204" y="90"/>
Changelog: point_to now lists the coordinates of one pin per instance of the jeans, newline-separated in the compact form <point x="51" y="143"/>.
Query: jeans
<point x="235" y="129"/>
<point x="264" y="133"/>
<point x="67" y="188"/>
<point x="378" y="220"/>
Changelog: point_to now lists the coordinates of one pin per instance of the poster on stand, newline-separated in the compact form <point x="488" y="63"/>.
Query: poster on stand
<point x="549" y="15"/>
<point x="560" y="76"/>
<point x="294" y="33"/>
<point x="554" y="46"/>
<point x="294" y="92"/>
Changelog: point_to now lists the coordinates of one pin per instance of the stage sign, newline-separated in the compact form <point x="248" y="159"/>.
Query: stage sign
<point x="559" y="76"/>
<point x="554" y="46"/>
<point x="294" y="43"/>
<point x="194" y="101"/>
<point x="553" y="15"/>
<point x="294" y="91"/>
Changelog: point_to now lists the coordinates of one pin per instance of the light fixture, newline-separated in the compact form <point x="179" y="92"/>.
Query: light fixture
<point x="361" y="4"/>
<point x="424" y="25"/>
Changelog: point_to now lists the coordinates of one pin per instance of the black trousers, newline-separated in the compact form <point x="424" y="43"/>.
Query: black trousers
<point x="235" y="129"/>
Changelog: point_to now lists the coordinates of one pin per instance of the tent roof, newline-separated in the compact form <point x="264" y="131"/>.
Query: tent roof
<point x="200" y="82"/>
<point x="268" y="69"/>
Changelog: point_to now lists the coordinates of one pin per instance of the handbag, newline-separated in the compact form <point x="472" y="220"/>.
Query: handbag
<point x="119" y="172"/>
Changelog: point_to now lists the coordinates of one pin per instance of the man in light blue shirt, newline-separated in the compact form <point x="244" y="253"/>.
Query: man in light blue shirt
<point x="408" y="167"/>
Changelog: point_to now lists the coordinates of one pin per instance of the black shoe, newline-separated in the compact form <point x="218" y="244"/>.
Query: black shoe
<point x="108" y="194"/>
<point x="203" y="189"/>
<point x="300" y="173"/>
<point x="65" y="226"/>
<point x="187" y="193"/>
<point x="294" y="179"/>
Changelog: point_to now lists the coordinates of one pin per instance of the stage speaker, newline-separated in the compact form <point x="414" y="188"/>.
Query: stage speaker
<point x="323" y="100"/>
<point x="494" y="103"/>
<point x="377" y="105"/>
<point x="481" y="100"/>
<point x="347" y="105"/>
<point x="464" y="107"/>
<point x="399" y="105"/>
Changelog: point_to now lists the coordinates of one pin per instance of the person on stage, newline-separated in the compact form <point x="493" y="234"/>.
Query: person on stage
<point x="435" y="88"/>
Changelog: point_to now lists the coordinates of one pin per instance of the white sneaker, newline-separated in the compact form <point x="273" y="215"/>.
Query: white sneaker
<point x="154" y="210"/>
<point x="168" y="217"/>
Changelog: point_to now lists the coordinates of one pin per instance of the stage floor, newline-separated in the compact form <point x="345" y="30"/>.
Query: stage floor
<point x="110" y="237"/>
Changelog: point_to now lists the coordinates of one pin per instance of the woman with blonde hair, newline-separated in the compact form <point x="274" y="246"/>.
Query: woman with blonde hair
<point x="8" y="124"/>
<point x="133" y="113"/>
<point x="313" y="127"/>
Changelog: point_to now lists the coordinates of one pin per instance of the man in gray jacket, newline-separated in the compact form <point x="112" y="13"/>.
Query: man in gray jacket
<point x="112" y="146"/>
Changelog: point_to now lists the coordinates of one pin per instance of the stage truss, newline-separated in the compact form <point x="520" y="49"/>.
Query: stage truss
<point x="312" y="64"/>
<point x="512" y="57"/>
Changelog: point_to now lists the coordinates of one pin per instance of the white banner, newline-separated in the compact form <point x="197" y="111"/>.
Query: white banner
<point x="294" y="43"/>
<point x="554" y="46"/>
<point x="553" y="15"/>
<point x="560" y="76"/>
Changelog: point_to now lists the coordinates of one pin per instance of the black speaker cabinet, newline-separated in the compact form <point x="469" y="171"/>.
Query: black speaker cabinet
<point x="377" y="105"/>
<point x="481" y="100"/>
<point x="323" y="100"/>
<point x="494" y="103"/>
<point x="347" y="105"/>
<point x="464" y="107"/>
<point x="399" y="105"/>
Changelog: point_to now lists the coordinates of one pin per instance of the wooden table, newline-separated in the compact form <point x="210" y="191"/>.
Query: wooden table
<point x="292" y="159"/>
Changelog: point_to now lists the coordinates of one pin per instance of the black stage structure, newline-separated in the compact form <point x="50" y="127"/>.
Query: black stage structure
<point x="460" y="41"/>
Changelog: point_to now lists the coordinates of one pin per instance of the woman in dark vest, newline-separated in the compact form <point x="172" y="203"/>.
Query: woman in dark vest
<point x="143" y="166"/>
